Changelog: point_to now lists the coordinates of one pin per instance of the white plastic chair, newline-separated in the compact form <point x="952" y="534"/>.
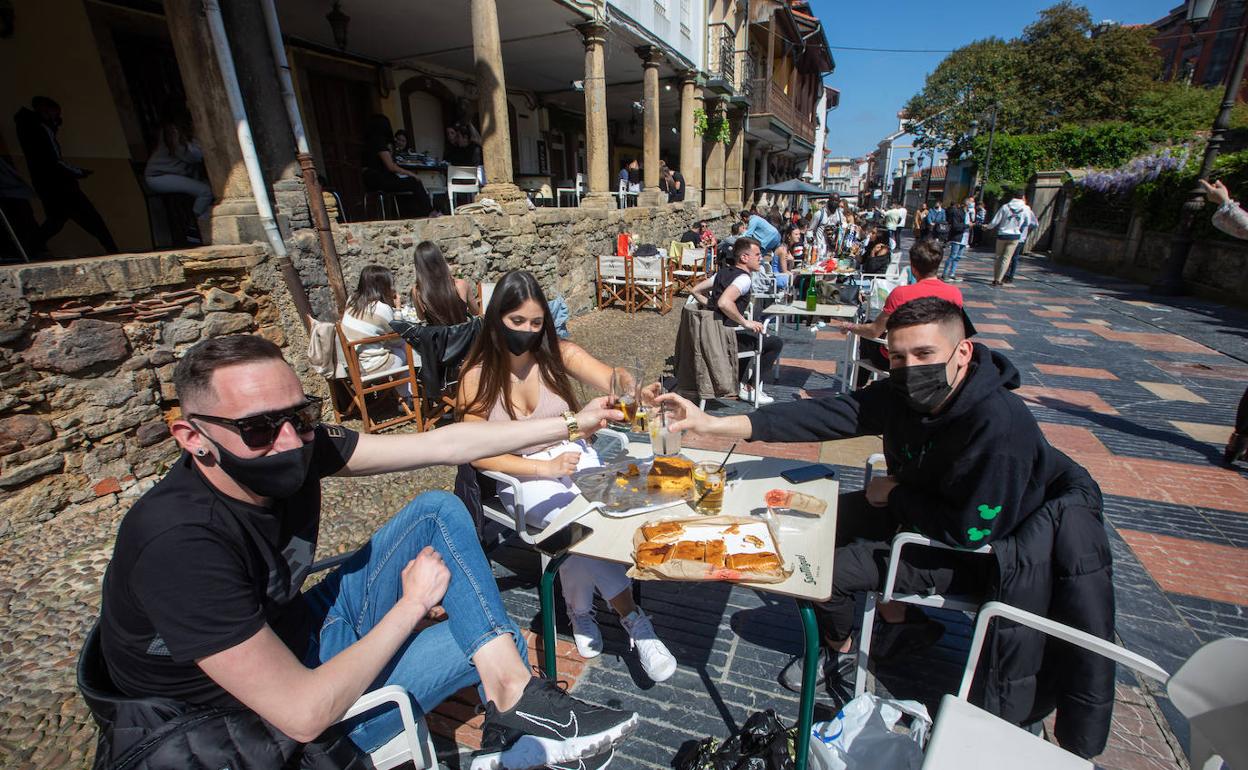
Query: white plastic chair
<point x="485" y="291"/>
<point x="1210" y="689"/>
<point x="461" y="180"/>
<point x="414" y="744"/>
<point x="854" y="362"/>
<point x="576" y="191"/>
<point x="953" y="602"/>
<point x="609" y="445"/>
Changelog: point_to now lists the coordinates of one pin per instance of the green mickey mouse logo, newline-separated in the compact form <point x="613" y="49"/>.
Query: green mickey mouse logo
<point x="974" y="534"/>
<point x="988" y="514"/>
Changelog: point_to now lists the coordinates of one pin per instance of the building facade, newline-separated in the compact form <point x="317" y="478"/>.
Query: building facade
<point x="1201" y="57"/>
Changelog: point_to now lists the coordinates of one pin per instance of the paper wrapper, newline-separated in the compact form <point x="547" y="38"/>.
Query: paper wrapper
<point x="681" y="569"/>
<point x="799" y="502"/>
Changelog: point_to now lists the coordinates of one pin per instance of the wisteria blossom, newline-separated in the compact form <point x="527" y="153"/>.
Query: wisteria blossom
<point x="1145" y="168"/>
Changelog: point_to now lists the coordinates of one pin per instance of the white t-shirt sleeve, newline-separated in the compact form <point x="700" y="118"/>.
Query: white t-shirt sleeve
<point x="383" y="311"/>
<point x="742" y="282"/>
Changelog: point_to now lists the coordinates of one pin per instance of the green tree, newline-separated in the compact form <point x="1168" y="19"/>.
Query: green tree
<point x="1062" y="69"/>
<point x="962" y="89"/>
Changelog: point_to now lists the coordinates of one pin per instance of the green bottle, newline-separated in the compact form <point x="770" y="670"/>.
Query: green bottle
<point x="812" y="296"/>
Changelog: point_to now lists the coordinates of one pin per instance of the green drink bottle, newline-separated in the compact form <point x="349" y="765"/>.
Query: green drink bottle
<point x="812" y="296"/>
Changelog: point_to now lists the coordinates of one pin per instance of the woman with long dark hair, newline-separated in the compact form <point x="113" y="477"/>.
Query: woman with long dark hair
<point x="876" y="255"/>
<point x="439" y="299"/>
<point x="369" y="313"/>
<point x="518" y="369"/>
<point x="382" y="174"/>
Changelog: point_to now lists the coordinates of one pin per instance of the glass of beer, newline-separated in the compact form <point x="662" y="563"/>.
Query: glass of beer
<point x="708" y="487"/>
<point x="623" y="394"/>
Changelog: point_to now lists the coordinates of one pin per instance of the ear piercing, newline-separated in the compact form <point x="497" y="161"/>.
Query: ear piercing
<point x="201" y="452"/>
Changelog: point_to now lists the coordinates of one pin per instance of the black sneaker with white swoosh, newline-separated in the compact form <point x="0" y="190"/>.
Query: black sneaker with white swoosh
<point x="549" y="728"/>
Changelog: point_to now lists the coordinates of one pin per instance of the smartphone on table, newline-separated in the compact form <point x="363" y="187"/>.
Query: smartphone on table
<point x="804" y="473"/>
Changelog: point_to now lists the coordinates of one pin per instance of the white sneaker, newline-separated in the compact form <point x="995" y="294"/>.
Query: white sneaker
<point x="763" y="398"/>
<point x="587" y="635"/>
<point x="746" y="393"/>
<point x="657" y="661"/>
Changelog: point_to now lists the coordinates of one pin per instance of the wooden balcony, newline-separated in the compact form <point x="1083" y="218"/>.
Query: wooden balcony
<point x="768" y="98"/>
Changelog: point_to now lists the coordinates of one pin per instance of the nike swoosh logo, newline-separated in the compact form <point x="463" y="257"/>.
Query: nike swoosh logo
<point x="553" y="726"/>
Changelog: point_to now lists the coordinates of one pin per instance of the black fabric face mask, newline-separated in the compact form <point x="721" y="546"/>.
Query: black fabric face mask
<point x="521" y="342"/>
<point x="277" y="475"/>
<point x="924" y="386"/>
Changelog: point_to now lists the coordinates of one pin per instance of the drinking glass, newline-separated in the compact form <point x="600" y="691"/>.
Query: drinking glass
<point x="623" y="396"/>
<point x="708" y="487"/>
<point x="663" y="439"/>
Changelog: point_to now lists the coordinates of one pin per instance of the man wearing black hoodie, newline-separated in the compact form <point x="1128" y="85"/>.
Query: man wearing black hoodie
<point x="967" y="464"/>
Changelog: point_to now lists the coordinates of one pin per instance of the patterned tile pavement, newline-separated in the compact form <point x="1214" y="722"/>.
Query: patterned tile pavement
<point x="1138" y="390"/>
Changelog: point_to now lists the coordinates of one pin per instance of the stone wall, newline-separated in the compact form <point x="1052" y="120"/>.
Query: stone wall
<point x="1215" y="269"/>
<point x="87" y="350"/>
<point x="88" y="346"/>
<point x="557" y="244"/>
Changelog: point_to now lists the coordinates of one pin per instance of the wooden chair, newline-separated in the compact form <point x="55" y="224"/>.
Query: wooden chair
<point x="648" y="285"/>
<point x="613" y="283"/>
<point x="689" y="269"/>
<point x="363" y="384"/>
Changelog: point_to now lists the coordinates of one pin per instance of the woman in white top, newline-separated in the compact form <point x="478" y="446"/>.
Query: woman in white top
<point x="518" y="369"/>
<point x="175" y="166"/>
<point x="369" y="313"/>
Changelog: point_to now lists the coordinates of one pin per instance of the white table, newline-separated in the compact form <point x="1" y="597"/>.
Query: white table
<point x="807" y="545"/>
<point x="798" y="308"/>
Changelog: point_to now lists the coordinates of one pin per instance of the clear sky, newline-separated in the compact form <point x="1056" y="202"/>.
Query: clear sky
<point x="874" y="86"/>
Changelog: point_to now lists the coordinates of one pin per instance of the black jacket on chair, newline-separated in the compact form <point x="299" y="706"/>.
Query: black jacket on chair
<point x="1057" y="564"/>
<point x="442" y="349"/>
<point x="156" y="733"/>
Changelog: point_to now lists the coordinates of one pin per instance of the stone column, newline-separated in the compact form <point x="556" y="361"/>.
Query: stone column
<point x="651" y="195"/>
<point x="234" y="218"/>
<point x="715" y="160"/>
<point x="599" y="182"/>
<point x="751" y="167"/>
<point x="487" y="51"/>
<point x="734" y="176"/>
<point x="690" y="142"/>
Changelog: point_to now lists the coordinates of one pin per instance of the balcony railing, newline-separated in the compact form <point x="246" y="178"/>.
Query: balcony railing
<point x="770" y="99"/>
<point x="721" y="61"/>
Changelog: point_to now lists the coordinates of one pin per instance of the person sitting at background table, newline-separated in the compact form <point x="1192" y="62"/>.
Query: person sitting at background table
<point x="727" y="292"/>
<point x="382" y="174"/>
<point x="439" y="299"/>
<point x="400" y="145"/>
<point x="925" y="258"/>
<point x="463" y="145"/>
<point x="176" y="165"/>
<point x="875" y="256"/>
<point x="369" y="312"/>
<point x="517" y="370"/>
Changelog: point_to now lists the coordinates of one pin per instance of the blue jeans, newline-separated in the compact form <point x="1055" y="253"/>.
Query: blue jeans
<point x="955" y="253"/>
<point x="436" y="662"/>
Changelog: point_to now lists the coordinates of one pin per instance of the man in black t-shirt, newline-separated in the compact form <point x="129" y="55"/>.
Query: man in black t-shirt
<point x="203" y="601"/>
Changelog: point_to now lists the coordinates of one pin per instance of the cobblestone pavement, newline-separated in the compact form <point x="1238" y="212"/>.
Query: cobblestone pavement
<point x="1140" y="391"/>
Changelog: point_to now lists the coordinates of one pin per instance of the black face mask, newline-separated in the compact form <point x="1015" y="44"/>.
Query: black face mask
<point x="925" y="386"/>
<point x="277" y="475"/>
<point x="521" y="342"/>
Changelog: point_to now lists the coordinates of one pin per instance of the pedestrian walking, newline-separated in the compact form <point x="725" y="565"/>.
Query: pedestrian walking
<point x="1010" y="221"/>
<point x="961" y="223"/>
<point x="981" y="216"/>
<point x="919" y="224"/>
<point x="894" y="218"/>
<point x="938" y="223"/>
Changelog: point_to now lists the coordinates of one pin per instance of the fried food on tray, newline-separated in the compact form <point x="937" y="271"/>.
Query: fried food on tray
<point x="663" y="531"/>
<point x="754" y="540"/>
<point x="670" y="474"/>
<point x="650" y="554"/>
<point x="716" y="553"/>
<point x="732" y="530"/>
<point x="689" y="550"/>
<point x="754" y="562"/>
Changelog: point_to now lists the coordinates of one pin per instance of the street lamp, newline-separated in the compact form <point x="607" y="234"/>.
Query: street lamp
<point x="1170" y="280"/>
<point x="992" y="135"/>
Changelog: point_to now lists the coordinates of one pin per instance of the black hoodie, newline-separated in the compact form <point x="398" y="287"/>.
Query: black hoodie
<point x="967" y="476"/>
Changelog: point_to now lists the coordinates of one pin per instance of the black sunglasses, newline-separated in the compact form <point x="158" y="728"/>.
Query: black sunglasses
<point x="260" y="430"/>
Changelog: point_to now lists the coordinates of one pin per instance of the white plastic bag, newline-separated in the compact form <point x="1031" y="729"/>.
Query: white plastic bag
<point x="864" y="736"/>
